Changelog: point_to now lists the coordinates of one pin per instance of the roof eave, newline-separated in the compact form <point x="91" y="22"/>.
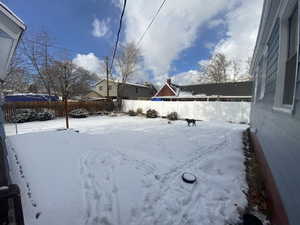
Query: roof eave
<point x="12" y="16"/>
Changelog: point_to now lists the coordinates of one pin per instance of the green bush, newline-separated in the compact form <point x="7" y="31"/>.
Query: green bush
<point x="131" y="113"/>
<point x="139" y="111"/>
<point x="172" y="116"/>
<point x="151" y="113"/>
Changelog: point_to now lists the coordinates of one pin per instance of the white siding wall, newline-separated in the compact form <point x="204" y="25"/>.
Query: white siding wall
<point x="223" y="111"/>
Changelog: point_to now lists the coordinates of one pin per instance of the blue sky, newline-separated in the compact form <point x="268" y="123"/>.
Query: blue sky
<point x="185" y="32"/>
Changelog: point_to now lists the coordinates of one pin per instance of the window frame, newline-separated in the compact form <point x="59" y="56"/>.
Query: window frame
<point x="255" y="85"/>
<point x="288" y="10"/>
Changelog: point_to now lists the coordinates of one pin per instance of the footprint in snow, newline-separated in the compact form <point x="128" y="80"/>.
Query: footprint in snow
<point x="37" y="215"/>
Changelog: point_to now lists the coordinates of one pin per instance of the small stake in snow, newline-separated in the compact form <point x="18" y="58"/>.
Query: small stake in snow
<point x="37" y="215"/>
<point x="249" y="219"/>
<point x="189" y="178"/>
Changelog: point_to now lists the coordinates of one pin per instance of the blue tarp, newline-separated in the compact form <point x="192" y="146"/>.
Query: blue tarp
<point x="30" y="98"/>
<point x="156" y="99"/>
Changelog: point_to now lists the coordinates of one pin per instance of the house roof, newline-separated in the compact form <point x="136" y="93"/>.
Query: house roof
<point x="127" y="83"/>
<point x="221" y="89"/>
<point x="12" y="16"/>
<point x="172" y="87"/>
<point x="211" y="89"/>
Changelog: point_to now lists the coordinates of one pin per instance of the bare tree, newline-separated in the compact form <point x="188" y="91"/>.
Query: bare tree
<point x="17" y="78"/>
<point x="127" y="61"/>
<point x="127" y="65"/>
<point x="70" y="80"/>
<point x="37" y="50"/>
<point x="247" y="75"/>
<point x="216" y="69"/>
<point x="236" y="69"/>
<point x="241" y="70"/>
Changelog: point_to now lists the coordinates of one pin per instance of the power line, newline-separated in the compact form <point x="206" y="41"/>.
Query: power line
<point x="50" y="45"/>
<point x="118" y="35"/>
<point x="56" y="46"/>
<point x="152" y="21"/>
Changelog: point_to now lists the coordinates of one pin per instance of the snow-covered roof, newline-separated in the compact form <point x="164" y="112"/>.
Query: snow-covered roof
<point x="190" y="94"/>
<point x="32" y="94"/>
<point x="12" y="15"/>
<point x="118" y="82"/>
<point x="210" y="89"/>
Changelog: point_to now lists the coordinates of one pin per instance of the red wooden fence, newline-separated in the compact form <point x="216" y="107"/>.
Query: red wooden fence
<point x="57" y="108"/>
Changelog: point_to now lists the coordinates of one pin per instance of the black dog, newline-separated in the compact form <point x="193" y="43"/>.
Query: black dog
<point x="191" y="121"/>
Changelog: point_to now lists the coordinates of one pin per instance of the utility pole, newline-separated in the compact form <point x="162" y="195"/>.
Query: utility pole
<point x="107" y="76"/>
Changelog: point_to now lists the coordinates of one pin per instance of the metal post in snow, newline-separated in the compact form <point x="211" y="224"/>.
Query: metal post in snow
<point x="66" y="112"/>
<point x="107" y="73"/>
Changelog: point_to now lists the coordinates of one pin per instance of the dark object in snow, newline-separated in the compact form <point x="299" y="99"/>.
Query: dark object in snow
<point x="79" y="113"/>
<point x="65" y="129"/>
<point x="191" y="121"/>
<point x="151" y="113"/>
<point x="172" y="116"/>
<point x="249" y="219"/>
<point x="189" y="178"/>
<point x="169" y="122"/>
<point x="37" y="215"/>
<point x="131" y="113"/>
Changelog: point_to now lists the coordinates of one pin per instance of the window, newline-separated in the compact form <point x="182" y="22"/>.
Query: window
<point x="291" y="63"/>
<point x="136" y="90"/>
<point x="109" y="87"/>
<point x="272" y="61"/>
<point x="287" y="58"/>
<point x="100" y="88"/>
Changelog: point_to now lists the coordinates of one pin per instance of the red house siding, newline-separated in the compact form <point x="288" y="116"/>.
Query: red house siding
<point x="165" y="91"/>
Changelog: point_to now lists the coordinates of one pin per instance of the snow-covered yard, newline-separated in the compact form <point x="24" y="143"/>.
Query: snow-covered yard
<point x="127" y="171"/>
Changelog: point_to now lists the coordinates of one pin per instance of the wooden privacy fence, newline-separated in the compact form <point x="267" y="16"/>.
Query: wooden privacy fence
<point x="57" y="108"/>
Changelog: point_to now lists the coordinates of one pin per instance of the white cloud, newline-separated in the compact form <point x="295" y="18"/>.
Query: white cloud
<point x="189" y="77"/>
<point x="90" y="62"/>
<point x="243" y="23"/>
<point x="100" y="27"/>
<point x="216" y="22"/>
<point x="175" y="29"/>
<point x="209" y="45"/>
<point x="179" y="24"/>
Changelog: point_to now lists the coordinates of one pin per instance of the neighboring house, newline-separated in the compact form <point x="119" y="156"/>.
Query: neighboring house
<point x="230" y="91"/>
<point x="125" y="91"/>
<point x="275" y="113"/>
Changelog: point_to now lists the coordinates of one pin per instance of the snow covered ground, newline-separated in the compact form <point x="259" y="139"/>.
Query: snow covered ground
<point x="127" y="170"/>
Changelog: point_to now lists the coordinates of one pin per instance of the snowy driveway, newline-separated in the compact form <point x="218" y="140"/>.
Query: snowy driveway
<point x="127" y="170"/>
